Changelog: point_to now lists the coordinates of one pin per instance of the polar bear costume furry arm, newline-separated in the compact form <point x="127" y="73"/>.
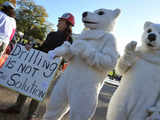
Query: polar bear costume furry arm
<point x="104" y="59"/>
<point x="128" y="59"/>
<point x="63" y="50"/>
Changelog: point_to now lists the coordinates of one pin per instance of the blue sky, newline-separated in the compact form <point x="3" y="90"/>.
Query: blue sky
<point x="129" y="25"/>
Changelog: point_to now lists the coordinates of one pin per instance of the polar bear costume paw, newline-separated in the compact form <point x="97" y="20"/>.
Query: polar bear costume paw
<point x="78" y="47"/>
<point x="130" y="56"/>
<point x="63" y="51"/>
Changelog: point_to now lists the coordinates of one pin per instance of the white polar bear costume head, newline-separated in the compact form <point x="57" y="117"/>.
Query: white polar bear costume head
<point x="151" y="36"/>
<point x="101" y="19"/>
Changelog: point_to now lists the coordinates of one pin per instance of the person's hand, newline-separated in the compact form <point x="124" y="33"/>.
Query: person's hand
<point x="28" y="46"/>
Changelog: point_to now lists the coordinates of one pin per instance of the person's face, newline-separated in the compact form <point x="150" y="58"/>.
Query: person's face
<point x="11" y="12"/>
<point x="61" y="25"/>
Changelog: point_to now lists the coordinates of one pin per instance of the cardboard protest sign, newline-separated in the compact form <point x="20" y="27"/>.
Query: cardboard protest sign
<point x="28" y="72"/>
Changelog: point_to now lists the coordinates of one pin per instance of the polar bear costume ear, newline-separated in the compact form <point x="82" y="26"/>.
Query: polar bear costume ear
<point x="116" y="12"/>
<point x="146" y="24"/>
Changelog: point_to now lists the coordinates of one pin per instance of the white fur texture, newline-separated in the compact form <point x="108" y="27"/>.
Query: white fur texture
<point x="137" y="97"/>
<point x="99" y="17"/>
<point x="93" y="55"/>
<point x="64" y="51"/>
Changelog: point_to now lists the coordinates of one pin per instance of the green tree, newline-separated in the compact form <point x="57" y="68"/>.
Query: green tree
<point x="31" y="19"/>
<point x="1" y="1"/>
<point x="12" y="1"/>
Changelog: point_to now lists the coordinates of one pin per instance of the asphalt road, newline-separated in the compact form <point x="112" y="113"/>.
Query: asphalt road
<point x="104" y="97"/>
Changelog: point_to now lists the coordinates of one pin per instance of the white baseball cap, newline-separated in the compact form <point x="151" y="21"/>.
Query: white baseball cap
<point x="8" y="4"/>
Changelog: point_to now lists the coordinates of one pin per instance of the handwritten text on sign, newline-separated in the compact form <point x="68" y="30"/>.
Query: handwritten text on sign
<point x="28" y="72"/>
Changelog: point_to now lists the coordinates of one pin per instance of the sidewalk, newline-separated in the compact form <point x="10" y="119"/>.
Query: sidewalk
<point x="8" y="98"/>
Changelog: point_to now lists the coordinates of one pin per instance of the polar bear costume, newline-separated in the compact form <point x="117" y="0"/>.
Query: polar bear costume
<point x="91" y="57"/>
<point x="137" y="97"/>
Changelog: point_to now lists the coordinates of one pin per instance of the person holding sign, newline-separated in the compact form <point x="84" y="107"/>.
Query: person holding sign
<point x="53" y="40"/>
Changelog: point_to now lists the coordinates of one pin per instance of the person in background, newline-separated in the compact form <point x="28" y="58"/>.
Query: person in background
<point x="8" y="50"/>
<point x="53" y="40"/>
<point x="7" y="25"/>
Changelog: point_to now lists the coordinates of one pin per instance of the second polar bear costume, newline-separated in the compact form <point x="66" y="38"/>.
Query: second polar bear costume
<point x="91" y="57"/>
<point x="138" y="96"/>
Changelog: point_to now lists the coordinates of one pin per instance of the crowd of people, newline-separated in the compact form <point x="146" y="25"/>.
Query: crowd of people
<point x="53" y="40"/>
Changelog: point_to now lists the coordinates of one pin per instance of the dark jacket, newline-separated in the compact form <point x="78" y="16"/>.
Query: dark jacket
<point x="53" y="40"/>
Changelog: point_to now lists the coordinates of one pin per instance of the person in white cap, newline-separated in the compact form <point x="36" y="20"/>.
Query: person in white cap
<point x="7" y="25"/>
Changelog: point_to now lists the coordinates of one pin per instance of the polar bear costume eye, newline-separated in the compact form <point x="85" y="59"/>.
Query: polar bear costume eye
<point x="149" y="30"/>
<point x="100" y="13"/>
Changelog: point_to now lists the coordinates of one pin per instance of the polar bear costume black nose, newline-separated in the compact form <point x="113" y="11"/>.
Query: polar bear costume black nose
<point x="151" y="37"/>
<point x="84" y="14"/>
